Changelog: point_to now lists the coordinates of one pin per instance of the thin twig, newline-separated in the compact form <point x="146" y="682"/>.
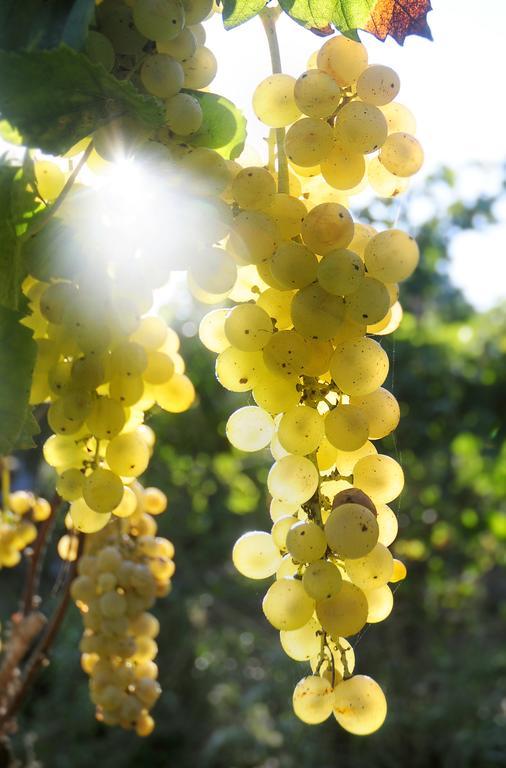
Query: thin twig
<point x="37" y="558"/>
<point x="269" y="17"/>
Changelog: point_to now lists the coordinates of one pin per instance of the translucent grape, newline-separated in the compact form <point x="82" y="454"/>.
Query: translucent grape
<point x="399" y="571"/>
<point x="197" y="10"/>
<point x="326" y="227"/>
<point x="248" y="327"/>
<point x="381" y="477"/>
<point x="86" y="519"/>
<point x="309" y="141"/>
<point x="212" y="330"/>
<point x="253" y="188"/>
<point x="361" y="127"/>
<point x="127" y="505"/>
<point x="274" y="102"/>
<point x="293" y="479"/>
<point x="391" y="256"/>
<point x="69" y="484"/>
<point x="313" y="699"/>
<point x="306" y="542"/>
<point x="127" y="455"/>
<point x="176" y="395"/>
<point x="361" y="236"/>
<point x="102" y="490"/>
<point x="238" y="371"/>
<point x="128" y="391"/>
<point x="294" y="265"/>
<point x="343" y="59"/>
<point x="340" y="272"/>
<point x="369" y="303"/>
<point x="275" y="394"/>
<point x="317" y="314"/>
<point x="402" y="154"/>
<point x="343" y="614"/>
<point x="254" y="237"/>
<point x="346" y="427"/>
<point x="360" y="706"/>
<point x="162" y="75"/>
<point x="285" y="354"/>
<point x="106" y="418"/>
<point x="380" y="602"/>
<point x="280" y="508"/>
<point x="255" y="555"/>
<point x="346" y="460"/>
<point x="286" y="604"/>
<point x="287" y="212"/>
<point x="216" y="271"/>
<point x="317" y="93"/>
<point x="183" y="114"/>
<point x="399" y="118"/>
<point x="277" y="305"/>
<point x="280" y="529"/>
<point x="160" y="20"/>
<point x="200" y="69"/>
<point x="301" y="644"/>
<point x="250" y="428"/>
<point x="301" y="430"/>
<point x="381" y="410"/>
<point x="359" y="366"/>
<point x="378" y="85"/>
<point x="321" y="580"/>
<point x="343" y="168"/>
<point x="160" y="368"/>
<point x="384" y="183"/>
<point x="351" y="530"/>
<point x="372" y="571"/>
<point x="181" y="47"/>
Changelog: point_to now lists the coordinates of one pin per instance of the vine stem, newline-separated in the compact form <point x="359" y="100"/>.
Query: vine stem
<point x="41" y="222"/>
<point x="269" y="17"/>
<point x="37" y="558"/>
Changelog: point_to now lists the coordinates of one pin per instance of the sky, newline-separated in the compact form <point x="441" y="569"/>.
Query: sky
<point x="453" y="86"/>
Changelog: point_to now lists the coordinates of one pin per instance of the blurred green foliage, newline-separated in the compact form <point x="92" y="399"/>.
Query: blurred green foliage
<point x="440" y="657"/>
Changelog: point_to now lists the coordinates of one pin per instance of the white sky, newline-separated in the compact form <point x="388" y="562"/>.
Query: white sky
<point x="453" y="85"/>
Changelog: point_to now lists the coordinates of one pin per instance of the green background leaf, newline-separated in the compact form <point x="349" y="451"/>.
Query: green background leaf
<point x="223" y="127"/>
<point x="55" y="98"/>
<point x="17" y="358"/>
<point x="236" y="12"/>
<point x="29" y="24"/>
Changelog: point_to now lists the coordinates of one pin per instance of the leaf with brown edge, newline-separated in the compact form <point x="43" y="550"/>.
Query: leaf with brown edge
<point x="397" y="18"/>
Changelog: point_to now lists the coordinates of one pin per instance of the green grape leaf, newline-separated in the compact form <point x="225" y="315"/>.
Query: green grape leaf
<point x="236" y="12"/>
<point x="55" y="98"/>
<point x="223" y="127"/>
<point x="44" y="23"/>
<point x="379" y="17"/>
<point x="17" y="360"/>
<point x="17" y="204"/>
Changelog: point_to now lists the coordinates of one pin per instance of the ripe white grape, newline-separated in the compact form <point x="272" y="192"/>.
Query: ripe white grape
<point x="391" y="256"/>
<point x="313" y="699"/>
<point x="301" y="644"/>
<point x="294" y="265"/>
<point x="309" y="141"/>
<point x="254" y="237"/>
<point x="346" y="460"/>
<point x="380" y="477"/>
<point x="212" y="330"/>
<point x="280" y="529"/>
<point x="340" y="272"/>
<point x="196" y="11"/>
<point x="306" y="542"/>
<point x="200" y="69"/>
<point x="181" y="47"/>
<point x="343" y="614"/>
<point x="399" y="118"/>
<point x="248" y="327"/>
<point x="160" y="20"/>
<point x="285" y="354"/>
<point x="369" y="303"/>
<point x="351" y="530"/>
<point x="372" y="571"/>
<point x="175" y="395"/>
<point x="388" y="524"/>
<point x="280" y="508"/>
<point x="183" y="114"/>
<point x="238" y="371"/>
<point x="317" y="93"/>
<point x="250" y="428"/>
<point x="361" y="127"/>
<point x="317" y="314"/>
<point x="346" y="427"/>
<point x="326" y="227"/>
<point x="382" y="182"/>
<point x="253" y="188"/>
<point x="287" y="213"/>
<point x="293" y="479"/>
<point x="274" y="393"/>
<point x="359" y="366"/>
<point x="255" y="555"/>
<point x="402" y="154"/>
<point x="380" y="602"/>
<point x="274" y="102"/>
<point x="360" y="706"/>
<point x="378" y="85"/>
<point x="162" y="75"/>
<point x="343" y="59"/>
<point x="127" y="455"/>
<point x="343" y="168"/>
<point x="381" y="410"/>
<point x="301" y="430"/>
<point x="286" y="605"/>
<point x="86" y="519"/>
<point x="321" y="579"/>
<point x="102" y="490"/>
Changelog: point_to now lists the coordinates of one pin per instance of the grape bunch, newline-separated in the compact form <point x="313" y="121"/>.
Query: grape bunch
<point x="21" y="509"/>
<point x="315" y="293"/>
<point x="343" y="121"/>
<point x="124" y="568"/>
<point x="101" y="363"/>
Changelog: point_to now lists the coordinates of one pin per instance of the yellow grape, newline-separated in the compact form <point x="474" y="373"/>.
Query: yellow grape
<point x="321" y="579"/>
<point x="343" y="59"/>
<point x="391" y="256"/>
<point x="402" y="154"/>
<point x="380" y="477"/>
<point x="301" y="644"/>
<point x="301" y="430"/>
<point x="381" y="410"/>
<point x="305" y="542"/>
<point x="309" y="141"/>
<point x="378" y="85"/>
<point x="313" y="699"/>
<point x="293" y="479"/>
<point x="380" y="602"/>
<point x="371" y="571"/>
<point x="274" y="102"/>
<point x="317" y="93"/>
<point x="255" y="555"/>
<point x="351" y="530"/>
<point x="250" y="428"/>
<point x="346" y="427"/>
<point x="360" y="706"/>
<point x="286" y="605"/>
<point x="326" y="227"/>
<point x="343" y="614"/>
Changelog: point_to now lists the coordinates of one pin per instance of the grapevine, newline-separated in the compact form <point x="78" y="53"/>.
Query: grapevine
<point x="306" y="295"/>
